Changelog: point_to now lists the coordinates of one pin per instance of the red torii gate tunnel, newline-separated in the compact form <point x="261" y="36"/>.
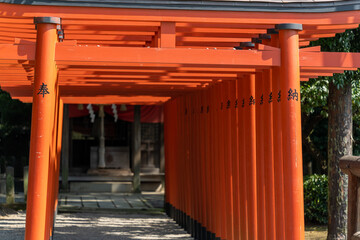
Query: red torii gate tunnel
<point x="232" y="115"/>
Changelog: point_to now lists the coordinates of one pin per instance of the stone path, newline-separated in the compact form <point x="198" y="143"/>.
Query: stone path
<point x="98" y="226"/>
<point x="104" y="201"/>
<point x="114" y="201"/>
<point x="102" y="216"/>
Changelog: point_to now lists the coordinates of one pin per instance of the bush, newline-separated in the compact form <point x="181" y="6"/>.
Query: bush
<point x="315" y="198"/>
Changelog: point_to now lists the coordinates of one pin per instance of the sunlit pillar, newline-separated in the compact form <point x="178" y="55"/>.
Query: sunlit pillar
<point x="291" y="134"/>
<point x="44" y="97"/>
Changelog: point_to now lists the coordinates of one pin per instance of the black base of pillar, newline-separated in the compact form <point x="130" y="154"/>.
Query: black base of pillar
<point x="191" y="226"/>
<point x="196" y="234"/>
<point x="183" y="220"/>
<point x="168" y="209"/>
<point x="198" y="230"/>
<point x="203" y="235"/>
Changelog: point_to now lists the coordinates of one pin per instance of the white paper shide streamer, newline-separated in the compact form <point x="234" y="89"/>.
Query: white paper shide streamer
<point x="113" y="106"/>
<point x="91" y="112"/>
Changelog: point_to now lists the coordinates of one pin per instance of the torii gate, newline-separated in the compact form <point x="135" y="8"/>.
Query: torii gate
<point x="232" y="126"/>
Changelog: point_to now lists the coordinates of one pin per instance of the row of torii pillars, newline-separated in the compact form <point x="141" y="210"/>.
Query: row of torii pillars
<point x="239" y="179"/>
<point x="47" y="125"/>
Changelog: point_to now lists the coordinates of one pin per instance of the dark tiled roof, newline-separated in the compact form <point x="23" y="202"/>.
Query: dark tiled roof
<point x="219" y="5"/>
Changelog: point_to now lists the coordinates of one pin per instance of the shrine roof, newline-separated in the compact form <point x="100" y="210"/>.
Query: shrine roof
<point x="319" y="6"/>
<point x="116" y="54"/>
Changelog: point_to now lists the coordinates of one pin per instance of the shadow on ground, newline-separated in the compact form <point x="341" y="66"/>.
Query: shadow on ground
<point x="91" y="226"/>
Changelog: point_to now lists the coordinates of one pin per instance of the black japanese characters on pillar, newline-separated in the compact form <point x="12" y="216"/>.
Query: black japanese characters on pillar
<point x="293" y="95"/>
<point x="251" y="101"/>
<point x="43" y="90"/>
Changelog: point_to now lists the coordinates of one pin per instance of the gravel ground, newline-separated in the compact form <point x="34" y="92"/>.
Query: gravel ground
<point x="91" y="226"/>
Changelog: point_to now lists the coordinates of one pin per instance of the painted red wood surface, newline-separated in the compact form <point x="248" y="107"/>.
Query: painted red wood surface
<point x="231" y="116"/>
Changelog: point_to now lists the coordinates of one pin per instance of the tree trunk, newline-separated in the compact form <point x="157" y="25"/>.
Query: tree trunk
<point x="309" y="123"/>
<point x="339" y="144"/>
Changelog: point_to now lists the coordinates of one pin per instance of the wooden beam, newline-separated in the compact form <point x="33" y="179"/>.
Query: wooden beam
<point x="166" y="56"/>
<point x="167" y="35"/>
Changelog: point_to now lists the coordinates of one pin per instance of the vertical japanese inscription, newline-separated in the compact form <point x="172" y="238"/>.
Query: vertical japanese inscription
<point x="270" y="97"/>
<point x="293" y="95"/>
<point x="251" y="101"/>
<point x="279" y="96"/>
<point x="228" y="103"/>
<point x="43" y="90"/>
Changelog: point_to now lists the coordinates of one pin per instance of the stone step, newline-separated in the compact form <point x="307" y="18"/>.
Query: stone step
<point x="111" y="187"/>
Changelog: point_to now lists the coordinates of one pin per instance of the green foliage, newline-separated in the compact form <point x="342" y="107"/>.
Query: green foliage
<point x="315" y="91"/>
<point x="314" y="95"/>
<point x="315" y="198"/>
<point x="15" y="118"/>
<point x="343" y="42"/>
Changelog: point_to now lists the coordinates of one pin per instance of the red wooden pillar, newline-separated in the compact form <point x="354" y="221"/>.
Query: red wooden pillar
<point x="269" y="156"/>
<point x="44" y="97"/>
<point x="250" y="156"/>
<point x="222" y="161"/>
<point x="170" y="154"/>
<point x="189" y="165"/>
<point x="52" y="160"/>
<point x="277" y="142"/>
<point x="213" y="157"/>
<point x="208" y="177"/>
<point x="179" y="157"/>
<point x="234" y="106"/>
<point x="268" y="146"/>
<point x="175" y="145"/>
<point x="242" y="161"/>
<point x="56" y="149"/>
<point x="183" y="131"/>
<point x="188" y="180"/>
<point x="204" y="164"/>
<point x="178" y="152"/>
<point x="185" y="193"/>
<point x="167" y="157"/>
<point x="203" y="168"/>
<point x="216" y="143"/>
<point x="260" y="164"/>
<point x="193" y="164"/>
<point x="165" y="38"/>
<point x="175" y="148"/>
<point x="227" y="159"/>
<point x="291" y="121"/>
<point x="196" y="161"/>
